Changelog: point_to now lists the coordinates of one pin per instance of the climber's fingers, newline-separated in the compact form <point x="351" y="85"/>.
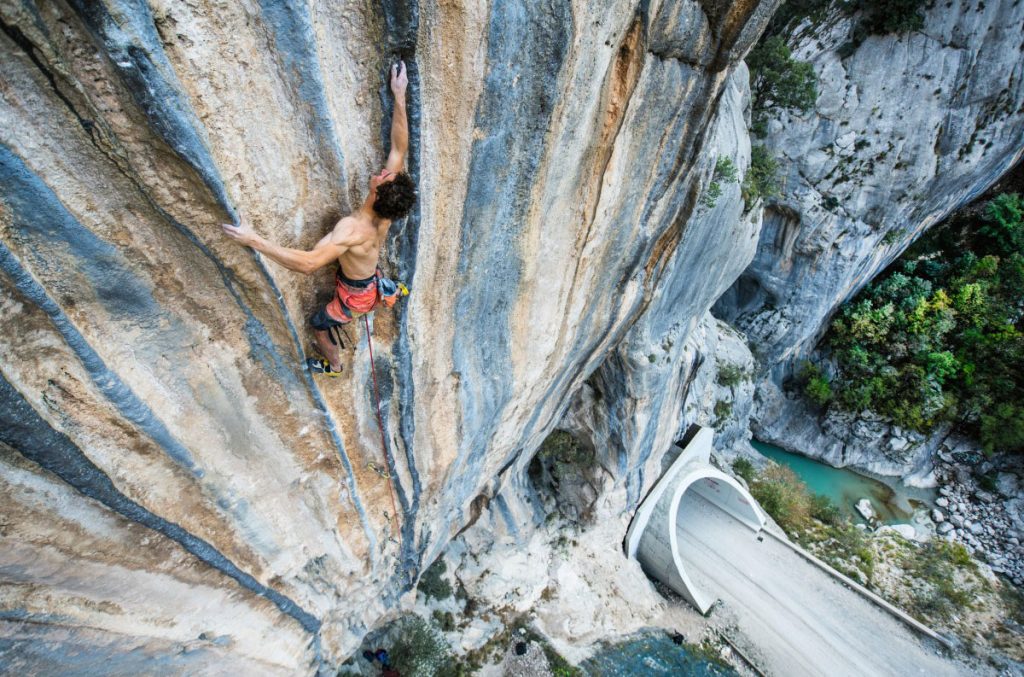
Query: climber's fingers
<point x="399" y="78"/>
<point x="242" y="233"/>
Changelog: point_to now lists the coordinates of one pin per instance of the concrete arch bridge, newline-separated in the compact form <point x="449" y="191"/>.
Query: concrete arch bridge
<point x="700" y="532"/>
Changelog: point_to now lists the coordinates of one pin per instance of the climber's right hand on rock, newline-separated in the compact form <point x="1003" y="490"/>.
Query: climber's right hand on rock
<point x="243" y="233"/>
<point x="399" y="80"/>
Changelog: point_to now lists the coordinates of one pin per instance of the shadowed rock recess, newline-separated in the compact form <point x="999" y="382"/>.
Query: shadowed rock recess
<point x="178" y="494"/>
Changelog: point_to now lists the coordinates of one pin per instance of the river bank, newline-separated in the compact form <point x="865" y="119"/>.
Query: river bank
<point x="892" y="501"/>
<point x="861" y="441"/>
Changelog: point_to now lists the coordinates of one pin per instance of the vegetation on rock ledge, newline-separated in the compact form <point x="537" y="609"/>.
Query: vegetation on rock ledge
<point x="778" y="82"/>
<point x="873" y="17"/>
<point x="762" y="178"/>
<point x="940" y="337"/>
<point x="725" y="172"/>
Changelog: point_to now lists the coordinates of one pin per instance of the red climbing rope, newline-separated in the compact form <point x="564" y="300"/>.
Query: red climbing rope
<point x="380" y="420"/>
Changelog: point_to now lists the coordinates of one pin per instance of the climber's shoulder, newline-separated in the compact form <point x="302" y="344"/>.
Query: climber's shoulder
<point x="351" y="230"/>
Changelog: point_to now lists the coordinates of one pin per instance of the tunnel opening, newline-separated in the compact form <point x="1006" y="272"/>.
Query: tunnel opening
<point x="683" y="517"/>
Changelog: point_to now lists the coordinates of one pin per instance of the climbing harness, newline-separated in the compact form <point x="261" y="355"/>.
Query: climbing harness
<point x="380" y="419"/>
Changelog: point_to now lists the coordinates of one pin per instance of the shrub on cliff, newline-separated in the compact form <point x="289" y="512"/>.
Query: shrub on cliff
<point x="420" y="649"/>
<point x="433" y="582"/>
<point x="871" y="17"/>
<point x="725" y="172"/>
<point x="881" y="17"/>
<point x="816" y="385"/>
<point x="729" y="375"/>
<point x="778" y="82"/>
<point x="762" y="178"/>
<point x="792" y="12"/>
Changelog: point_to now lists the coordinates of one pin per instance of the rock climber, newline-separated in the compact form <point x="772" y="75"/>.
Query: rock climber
<point x="355" y="242"/>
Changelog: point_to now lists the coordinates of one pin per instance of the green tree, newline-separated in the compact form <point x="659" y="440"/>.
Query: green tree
<point x="1002" y="230"/>
<point x="816" y="386"/>
<point x="762" y="178"/>
<point x="778" y="82"/>
<point x="938" y="338"/>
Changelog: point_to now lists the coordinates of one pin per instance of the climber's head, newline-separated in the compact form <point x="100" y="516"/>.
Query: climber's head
<point x="394" y="193"/>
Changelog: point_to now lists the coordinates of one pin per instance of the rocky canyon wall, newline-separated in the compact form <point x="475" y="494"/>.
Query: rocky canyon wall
<point x="178" y="491"/>
<point x="905" y="129"/>
<point x="652" y="386"/>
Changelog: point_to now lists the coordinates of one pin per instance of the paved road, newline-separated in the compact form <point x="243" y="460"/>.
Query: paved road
<point x="796" y="619"/>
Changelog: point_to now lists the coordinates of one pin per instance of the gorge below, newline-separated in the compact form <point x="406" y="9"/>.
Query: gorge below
<point x="635" y="219"/>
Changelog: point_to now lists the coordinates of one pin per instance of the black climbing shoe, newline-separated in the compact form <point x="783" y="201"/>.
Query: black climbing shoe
<point x="319" y="365"/>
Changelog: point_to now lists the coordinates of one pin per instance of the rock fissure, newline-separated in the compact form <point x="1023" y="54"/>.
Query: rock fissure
<point x="401" y="30"/>
<point x="26" y="432"/>
<point x="30" y="50"/>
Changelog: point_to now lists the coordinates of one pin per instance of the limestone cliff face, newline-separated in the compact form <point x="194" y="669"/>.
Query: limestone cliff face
<point x="177" y="490"/>
<point x="660" y="378"/>
<point x="904" y="130"/>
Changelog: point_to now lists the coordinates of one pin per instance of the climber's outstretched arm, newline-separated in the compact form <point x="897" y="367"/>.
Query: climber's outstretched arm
<point x="399" y="120"/>
<point x="327" y="250"/>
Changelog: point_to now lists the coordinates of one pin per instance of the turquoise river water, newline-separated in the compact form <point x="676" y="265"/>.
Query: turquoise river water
<point x="651" y="654"/>
<point x="894" y="502"/>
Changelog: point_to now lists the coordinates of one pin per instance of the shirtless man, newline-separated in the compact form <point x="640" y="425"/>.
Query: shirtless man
<point x="354" y="243"/>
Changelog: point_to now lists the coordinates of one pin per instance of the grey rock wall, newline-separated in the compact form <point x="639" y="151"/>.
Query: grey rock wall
<point x="905" y="130"/>
<point x="661" y="377"/>
<point x="151" y="369"/>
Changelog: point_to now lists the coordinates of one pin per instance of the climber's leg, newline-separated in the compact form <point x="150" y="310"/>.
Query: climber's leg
<point x="328" y="349"/>
<point x="323" y="323"/>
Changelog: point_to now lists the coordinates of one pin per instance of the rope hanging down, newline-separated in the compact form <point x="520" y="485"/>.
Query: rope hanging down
<point x="380" y="420"/>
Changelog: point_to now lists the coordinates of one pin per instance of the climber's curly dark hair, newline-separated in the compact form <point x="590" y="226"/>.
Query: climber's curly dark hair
<point x="396" y="197"/>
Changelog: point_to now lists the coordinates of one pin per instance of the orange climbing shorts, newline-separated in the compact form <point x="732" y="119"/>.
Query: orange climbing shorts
<point x="353" y="298"/>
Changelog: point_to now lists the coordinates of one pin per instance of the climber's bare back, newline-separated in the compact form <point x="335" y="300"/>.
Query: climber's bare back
<point x="362" y="235"/>
<point x="356" y="240"/>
